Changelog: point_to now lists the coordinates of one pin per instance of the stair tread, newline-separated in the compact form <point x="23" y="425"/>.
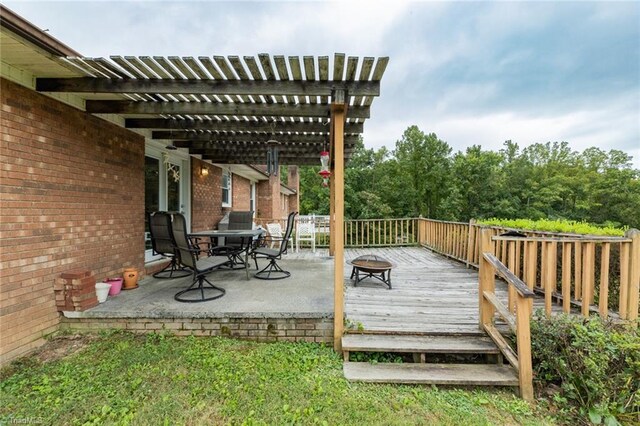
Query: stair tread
<point x="443" y="374"/>
<point x="426" y="344"/>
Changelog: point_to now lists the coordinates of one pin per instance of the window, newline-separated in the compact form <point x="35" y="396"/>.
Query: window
<point x="252" y="198"/>
<point x="226" y="188"/>
<point x="173" y="191"/>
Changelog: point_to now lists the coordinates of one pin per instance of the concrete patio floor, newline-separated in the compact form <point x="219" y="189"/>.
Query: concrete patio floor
<point x="307" y="293"/>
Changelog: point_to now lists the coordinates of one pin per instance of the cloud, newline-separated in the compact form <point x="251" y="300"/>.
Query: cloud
<point x="608" y="127"/>
<point x="473" y="72"/>
<point x="213" y="27"/>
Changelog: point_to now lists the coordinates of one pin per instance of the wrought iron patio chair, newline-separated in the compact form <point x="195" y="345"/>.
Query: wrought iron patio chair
<point x="187" y="254"/>
<point x="162" y="244"/>
<point x="238" y="221"/>
<point x="306" y="231"/>
<point x="273" y="271"/>
<point x="235" y="246"/>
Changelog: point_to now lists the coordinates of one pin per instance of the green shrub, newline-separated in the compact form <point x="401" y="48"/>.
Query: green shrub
<point x="596" y="365"/>
<point x="562" y="226"/>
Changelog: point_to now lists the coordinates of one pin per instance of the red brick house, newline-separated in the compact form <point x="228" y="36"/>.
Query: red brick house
<point x="75" y="186"/>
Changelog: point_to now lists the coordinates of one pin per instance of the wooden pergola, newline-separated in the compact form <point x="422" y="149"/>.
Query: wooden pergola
<point x="226" y="109"/>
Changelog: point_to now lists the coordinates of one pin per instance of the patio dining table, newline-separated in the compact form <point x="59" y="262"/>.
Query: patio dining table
<point x="245" y="235"/>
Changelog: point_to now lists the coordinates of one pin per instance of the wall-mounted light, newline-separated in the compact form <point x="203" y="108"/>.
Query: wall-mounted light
<point x="204" y="171"/>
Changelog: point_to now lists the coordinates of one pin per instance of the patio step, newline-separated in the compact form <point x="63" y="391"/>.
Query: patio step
<point x="440" y="344"/>
<point x="431" y="374"/>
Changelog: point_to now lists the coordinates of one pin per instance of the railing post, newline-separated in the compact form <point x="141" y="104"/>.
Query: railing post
<point x="549" y="277"/>
<point x="604" y="280"/>
<point x="487" y="278"/>
<point x="588" y="270"/>
<point x="511" y="291"/>
<point x="634" y="274"/>
<point x="577" y="257"/>
<point x="422" y="229"/>
<point x="523" y="339"/>
<point x="531" y="267"/>
<point x="566" y="277"/>
<point x="625" y="248"/>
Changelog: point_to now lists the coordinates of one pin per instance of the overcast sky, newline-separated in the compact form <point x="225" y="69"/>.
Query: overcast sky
<point x="471" y="72"/>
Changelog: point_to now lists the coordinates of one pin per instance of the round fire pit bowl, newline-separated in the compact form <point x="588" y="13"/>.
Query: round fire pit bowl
<point x="371" y="266"/>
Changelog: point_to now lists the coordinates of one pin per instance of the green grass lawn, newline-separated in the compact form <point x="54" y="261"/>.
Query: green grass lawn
<point x="121" y="378"/>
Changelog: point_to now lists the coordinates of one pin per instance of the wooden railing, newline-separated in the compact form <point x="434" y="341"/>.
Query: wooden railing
<point x="596" y="274"/>
<point x="362" y="232"/>
<point x="516" y="316"/>
<point x="321" y="222"/>
<point x="380" y="232"/>
<point x="448" y="238"/>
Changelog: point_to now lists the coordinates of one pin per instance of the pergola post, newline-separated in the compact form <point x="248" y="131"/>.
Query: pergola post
<point x="338" y="110"/>
<point x="332" y="193"/>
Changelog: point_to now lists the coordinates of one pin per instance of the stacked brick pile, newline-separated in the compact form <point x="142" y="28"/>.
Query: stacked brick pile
<point x="75" y="291"/>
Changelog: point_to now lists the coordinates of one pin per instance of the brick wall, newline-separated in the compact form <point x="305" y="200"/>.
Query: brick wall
<point x="206" y="196"/>
<point x="241" y="193"/>
<point x="318" y="330"/>
<point x="269" y="201"/>
<point x="262" y="199"/>
<point x="293" y="182"/>
<point x="72" y="197"/>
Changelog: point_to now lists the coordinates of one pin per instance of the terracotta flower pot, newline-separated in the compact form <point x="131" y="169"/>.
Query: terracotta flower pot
<point x="130" y="278"/>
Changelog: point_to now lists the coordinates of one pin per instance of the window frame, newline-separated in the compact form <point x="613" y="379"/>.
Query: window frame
<point x="229" y="188"/>
<point x="252" y="197"/>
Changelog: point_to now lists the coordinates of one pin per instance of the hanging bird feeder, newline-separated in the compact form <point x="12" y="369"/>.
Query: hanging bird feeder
<point x="324" y="170"/>
<point x="272" y="152"/>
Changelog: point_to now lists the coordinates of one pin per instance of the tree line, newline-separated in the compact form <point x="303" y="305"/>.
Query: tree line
<point x="423" y="177"/>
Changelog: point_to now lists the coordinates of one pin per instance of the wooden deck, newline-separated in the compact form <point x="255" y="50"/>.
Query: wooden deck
<point x="431" y="294"/>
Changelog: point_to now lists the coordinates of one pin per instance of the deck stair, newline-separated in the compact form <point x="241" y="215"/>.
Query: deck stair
<point x="491" y="373"/>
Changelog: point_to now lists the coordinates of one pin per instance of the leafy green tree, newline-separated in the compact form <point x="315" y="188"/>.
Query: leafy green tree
<point x="364" y="180"/>
<point x="423" y="165"/>
<point x="478" y="179"/>
<point x="613" y="189"/>
<point x="314" y="198"/>
<point x="542" y="181"/>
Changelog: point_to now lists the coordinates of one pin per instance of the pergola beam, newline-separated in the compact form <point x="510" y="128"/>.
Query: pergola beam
<point x="223" y="146"/>
<point x="235" y="125"/>
<point x="243" y="137"/>
<point x="207" y="87"/>
<point x="261" y="156"/>
<point x="208" y="108"/>
<point x="243" y="159"/>
<point x="253" y="158"/>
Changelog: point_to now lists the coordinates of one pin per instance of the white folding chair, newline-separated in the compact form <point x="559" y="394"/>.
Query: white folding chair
<point x="306" y="231"/>
<point x="275" y="232"/>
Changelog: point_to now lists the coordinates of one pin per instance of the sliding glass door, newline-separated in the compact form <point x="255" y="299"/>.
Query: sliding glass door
<point x="166" y="188"/>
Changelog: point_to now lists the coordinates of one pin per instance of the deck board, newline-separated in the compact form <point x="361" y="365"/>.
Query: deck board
<point x="446" y="374"/>
<point x="430" y="294"/>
